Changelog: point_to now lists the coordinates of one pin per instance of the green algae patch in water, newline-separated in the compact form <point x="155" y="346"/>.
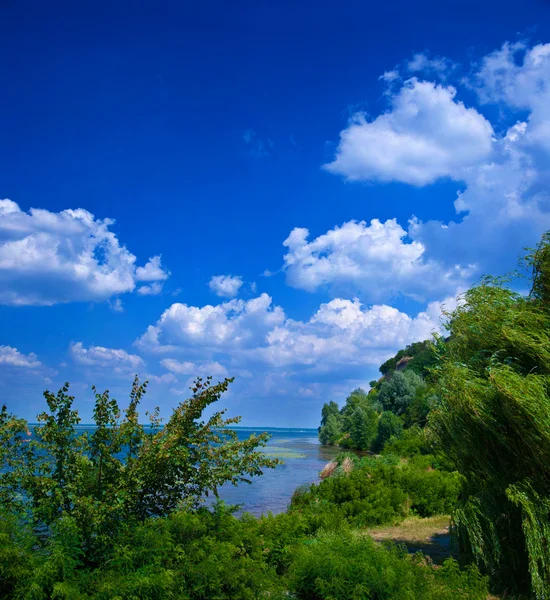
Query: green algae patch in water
<point x="278" y="452"/>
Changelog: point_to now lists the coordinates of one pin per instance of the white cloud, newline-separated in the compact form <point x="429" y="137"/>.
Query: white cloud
<point x="342" y="341"/>
<point x="161" y="379"/>
<point x="111" y="358"/>
<point x="375" y="260"/>
<point x="390" y="76"/>
<point x="150" y="290"/>
<point x="236" y="323"/>
<point x="226" y="286"/>
<point x="152" y="271"/>
<point x="116" y="305"/>
<point x="284" y="363"/>
<point x="185" y="368"/>
<point x="12" y="357"/>
<point x="48" y="258"/>
<point x="504" y="205"/>
<point x="519" y="77"/>
<point x="436" y="66"/>
<point x="204" y="369"/>
<point x="425" y="136"/>
<point x="345" y="335"/>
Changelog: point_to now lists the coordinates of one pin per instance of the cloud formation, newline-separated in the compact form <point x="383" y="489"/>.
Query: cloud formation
<point x="150" y="290"/>
<point x="204" y="369"/>
<point x="504" y="203"/>
<point x="342" y="340"/>
<point x="426" y="135"/>
<point x="232" y="324"/>
<point x="225" y="286"/>
<point x="152" y="271"/>
<point x="105" y="358"/>
<point x="375" y="260"/>
<point x="13" y="358"/>
<point x="49" y="258"/>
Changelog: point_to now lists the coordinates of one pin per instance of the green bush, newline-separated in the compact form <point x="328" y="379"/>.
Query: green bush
<point x="399" y="391"/>
<point x="431" y="492"/>
<point x="382" y="490"/>
<point x="413" y="442"/>
<point x="353" y="567"/>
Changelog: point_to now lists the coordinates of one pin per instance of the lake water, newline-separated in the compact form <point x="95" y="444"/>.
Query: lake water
<point x="303" y="458"/>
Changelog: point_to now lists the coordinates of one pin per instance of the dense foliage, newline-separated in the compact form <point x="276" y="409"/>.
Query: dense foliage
<point x="211" y="554"/>
<point x="493" y="423"/>
<point x="399" y="400"/>
<point x="417" y="357"/>
<point x="376" y="491"/>
<point x="123" y="472"/>
<point x="80" y="515"/>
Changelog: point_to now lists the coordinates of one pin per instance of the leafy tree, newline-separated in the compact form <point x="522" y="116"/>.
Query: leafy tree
<point x="363" y="423"/>
<point x="389" y="425"/>
<point x="329" y="408"/>
<point x="124" y="472"/>
<point x="418" y="410"/>
<point x="396" y="394"/>
<point x="332" y="431"/>
<point x="493" y="422"/>
<point x="357" y="398"/>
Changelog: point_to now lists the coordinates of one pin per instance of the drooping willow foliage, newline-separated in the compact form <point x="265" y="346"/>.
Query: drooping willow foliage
<point x="493" y="421"/>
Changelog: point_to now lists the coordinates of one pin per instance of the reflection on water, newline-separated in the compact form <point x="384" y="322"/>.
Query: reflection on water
<point x="304" y="458"/>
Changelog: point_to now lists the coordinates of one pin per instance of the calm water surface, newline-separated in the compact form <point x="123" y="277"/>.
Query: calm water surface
<point x="273" y="490"/>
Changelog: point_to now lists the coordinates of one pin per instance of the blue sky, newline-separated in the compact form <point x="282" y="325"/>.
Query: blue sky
<point x="282" y="192"/>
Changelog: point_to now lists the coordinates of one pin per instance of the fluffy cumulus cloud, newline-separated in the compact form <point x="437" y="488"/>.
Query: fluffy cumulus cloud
<point x="22" y="370"/>
<point x="232" y="324"/>
<point x="426" y="134"/>
<point x="518" y="76"/>
<point x="375" y="259"/>
<point x="225" y="286"/>
<point x="11" y="357"/>
<point x="152" y="271"/>
<point x="105" y="358"/>
<point x="341" y="344"/>
<point x="48" y="258"/>
<point x="201" y="369"/>
<point x="343" y="335"/>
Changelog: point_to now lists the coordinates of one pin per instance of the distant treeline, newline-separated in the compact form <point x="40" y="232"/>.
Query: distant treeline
<point x="399" y="400"/>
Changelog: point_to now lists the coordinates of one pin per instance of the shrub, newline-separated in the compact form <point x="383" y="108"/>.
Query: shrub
<point x="382" y="490"/>
<point x="352" y="567"/>
<point x="413" y="442"/>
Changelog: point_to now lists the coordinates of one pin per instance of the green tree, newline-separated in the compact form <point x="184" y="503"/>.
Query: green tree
<point x="357" y="398"/>
<point x="329" y="408"/>
<point x="396" y="394"/>
<point x="493" y="423"/>
<point x="332" y="431"/>
<point x="363" y="423"/>
<point x="389" y="425"/>
<point x="124" y="472"/>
